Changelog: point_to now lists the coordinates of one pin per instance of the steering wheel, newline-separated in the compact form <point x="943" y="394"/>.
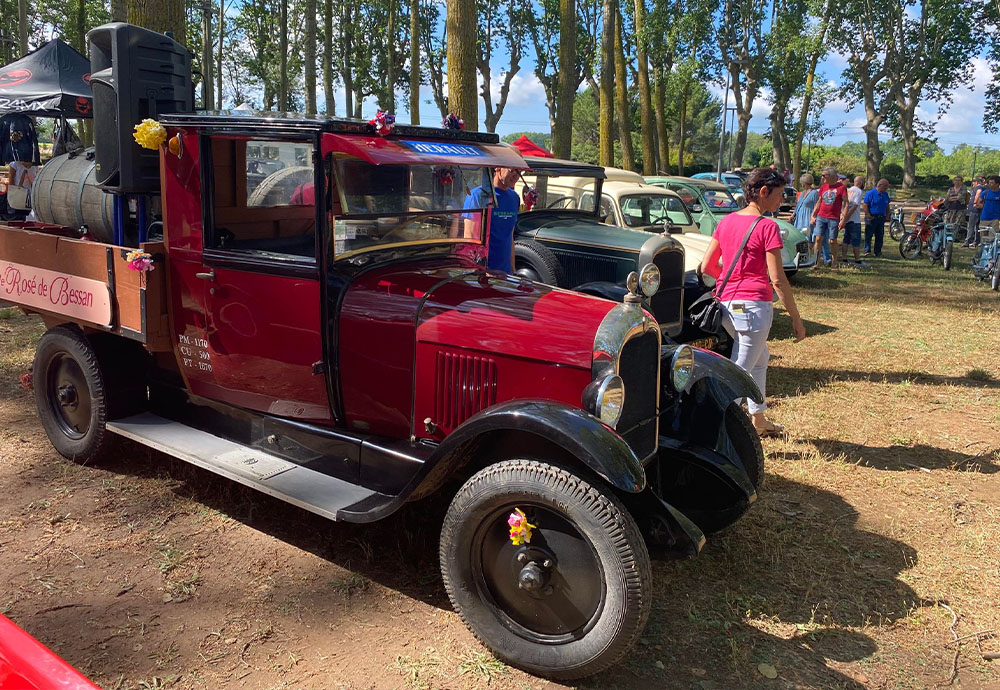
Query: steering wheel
<point x="567" y="201"/>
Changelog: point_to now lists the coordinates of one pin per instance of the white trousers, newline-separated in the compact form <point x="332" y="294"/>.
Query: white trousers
<point x="749" y="323"/>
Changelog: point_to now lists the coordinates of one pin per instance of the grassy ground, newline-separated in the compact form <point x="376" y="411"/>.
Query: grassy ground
<point x="874" y="544"/>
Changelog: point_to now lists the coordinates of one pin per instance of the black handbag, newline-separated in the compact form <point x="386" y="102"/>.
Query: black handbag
<point x="706" y="311"/>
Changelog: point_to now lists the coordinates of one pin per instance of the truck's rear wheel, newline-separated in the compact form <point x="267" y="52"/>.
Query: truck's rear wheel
<point x="569" y="603"/>
<point x="70" y="394"/>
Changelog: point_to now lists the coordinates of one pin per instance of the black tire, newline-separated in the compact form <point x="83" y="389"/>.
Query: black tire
<point x="896" y="230"/>
<point x="590" y="603"/>
<point x="995" y="283"/>
<point x="538" y="263"/>
<point x="910" y="245"/>
<point x="746" y="441"/>
<point x="70" y="394"/>
<point x="946" y="257"/>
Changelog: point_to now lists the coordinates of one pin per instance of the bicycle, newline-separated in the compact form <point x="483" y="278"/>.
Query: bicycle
<point x="986" y="262"/>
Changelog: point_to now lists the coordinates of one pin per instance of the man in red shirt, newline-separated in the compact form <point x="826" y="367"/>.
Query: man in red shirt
<point x="829" y="216"/>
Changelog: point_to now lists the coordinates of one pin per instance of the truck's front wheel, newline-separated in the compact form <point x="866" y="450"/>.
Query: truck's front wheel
<point x="570" y="602"/>
<point x="70" y="394"/>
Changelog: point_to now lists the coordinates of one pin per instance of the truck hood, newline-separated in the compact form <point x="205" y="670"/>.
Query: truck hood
<point x="509" y="316"/>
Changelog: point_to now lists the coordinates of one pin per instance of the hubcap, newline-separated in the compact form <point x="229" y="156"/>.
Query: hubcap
<point x="550" y="590"/>
<point x="68" y="396"/>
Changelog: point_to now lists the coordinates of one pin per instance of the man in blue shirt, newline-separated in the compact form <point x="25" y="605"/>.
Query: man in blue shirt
<point x="875" y="205"/>
<point x="989" y="201"/>
<point x="503" y="216"/>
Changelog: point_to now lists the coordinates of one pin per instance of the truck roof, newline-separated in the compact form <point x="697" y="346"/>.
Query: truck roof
<point x="298" y="122"/>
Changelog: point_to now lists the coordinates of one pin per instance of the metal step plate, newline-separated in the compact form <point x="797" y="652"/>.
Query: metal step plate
<point x="301" y="486"/>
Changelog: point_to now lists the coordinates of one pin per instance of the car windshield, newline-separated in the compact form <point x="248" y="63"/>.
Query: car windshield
<point x="555" y="192"/>
<point x="648" y="209"/>
<point x="381" y="205"/>
<point x="719" y="200"/>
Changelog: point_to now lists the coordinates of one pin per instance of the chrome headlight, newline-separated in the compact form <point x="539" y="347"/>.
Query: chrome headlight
<point x="649" y="279"/>
<point x="605" y="399"/>
<point x="784" y="233"/>
<point x="682" y="367"/>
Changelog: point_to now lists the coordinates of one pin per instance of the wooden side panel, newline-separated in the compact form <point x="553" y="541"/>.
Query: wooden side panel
<point x="138" y="300"/>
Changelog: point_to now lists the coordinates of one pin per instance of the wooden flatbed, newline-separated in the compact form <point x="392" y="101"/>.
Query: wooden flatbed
<point x="44" y="271"/>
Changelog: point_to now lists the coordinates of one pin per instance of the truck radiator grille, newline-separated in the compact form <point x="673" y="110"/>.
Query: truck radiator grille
<point x="666" y="305"/>
<point x="464" y="385"/>
<point x="638" y="366"/>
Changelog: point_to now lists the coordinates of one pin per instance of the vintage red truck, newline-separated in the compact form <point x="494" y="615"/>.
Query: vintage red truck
<point x="316" y="325"/>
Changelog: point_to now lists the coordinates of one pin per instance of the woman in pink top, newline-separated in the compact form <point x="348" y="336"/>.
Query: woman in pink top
<point x="747" y="296"/>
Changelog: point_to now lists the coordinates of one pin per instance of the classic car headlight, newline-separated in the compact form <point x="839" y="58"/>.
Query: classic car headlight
<point x="649" y="279"/>
<point x="784" y="233"/>
<point x="605" y="398"/>
<point x="682" y="367"/>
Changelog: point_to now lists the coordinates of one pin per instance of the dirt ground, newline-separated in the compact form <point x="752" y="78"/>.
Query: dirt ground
<point x="873" y="547"/>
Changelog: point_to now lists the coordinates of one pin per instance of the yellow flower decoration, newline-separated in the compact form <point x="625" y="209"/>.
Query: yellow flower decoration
<point x="520" y="528"/>
<point x="150" y="134"/>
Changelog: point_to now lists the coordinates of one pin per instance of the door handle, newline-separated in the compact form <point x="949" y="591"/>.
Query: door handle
<point x="206" y="276"/>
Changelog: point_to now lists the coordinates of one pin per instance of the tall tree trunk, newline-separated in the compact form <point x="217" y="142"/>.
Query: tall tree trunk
<point x="681" y="130"/>
<point x="743" y="116"/>
<point x="779" y="141"/>
<point x="119" y="11"/>
<point x="562" y="129"/>
<point x="461" y="60"/>
<point x="388" y="99"/>
<point x="207" y="82"/>
<point x="645" y="102"/>
<point x="218" y="65"/>
<point x="415" y="72"/>
<point x="347" y="30"/>
<point x="800" y="130"/>
<point x="283" y="58"/>
<point x="660" y="108"/>
<point x="606" y="145"/>
<point x="159" y="15"/>
<point x="621" y="97"/>
<point x="329" y="105"/>
<point x="86" y="127"/>
<point x="906" y="109"/>
<point x="22" y="26"/>
<point x="309" y="56"/>
<point x="874" y="118"/>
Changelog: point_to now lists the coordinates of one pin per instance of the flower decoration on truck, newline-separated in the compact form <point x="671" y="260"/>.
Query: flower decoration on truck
<point x="383" y="123"/>
<point x="453" y="121"/>
<point x="446" y="175"/>
<point x="149" y="134"/>
<point x="139" y="260"/>
<point x="520" y="528"/>
<point x="530" y="197"/>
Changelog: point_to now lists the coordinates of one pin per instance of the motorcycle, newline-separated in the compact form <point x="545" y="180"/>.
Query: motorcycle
<point x="986" y="262"/>
<point x="896" y="226"/>
<point x="932" y="232"/>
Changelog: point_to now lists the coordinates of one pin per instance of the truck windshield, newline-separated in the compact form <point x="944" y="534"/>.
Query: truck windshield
<point x="383" y="205"/>
<point x="560" y="192"/>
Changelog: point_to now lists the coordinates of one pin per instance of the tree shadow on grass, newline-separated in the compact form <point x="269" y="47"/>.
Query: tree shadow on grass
<point x="797" y="562"/>
<point x="902" y="458"/>
<point x="785" y="382"/>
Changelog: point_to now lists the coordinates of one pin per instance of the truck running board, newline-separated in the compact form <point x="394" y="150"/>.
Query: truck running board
<point x="314" y="491"/>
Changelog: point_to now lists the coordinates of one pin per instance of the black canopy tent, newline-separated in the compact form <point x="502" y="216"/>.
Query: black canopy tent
<point x="52" y="81"/>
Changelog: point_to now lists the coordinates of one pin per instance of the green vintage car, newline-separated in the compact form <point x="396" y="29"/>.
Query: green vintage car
<point x="564" y="241"/>
<point x="710" y="201"/>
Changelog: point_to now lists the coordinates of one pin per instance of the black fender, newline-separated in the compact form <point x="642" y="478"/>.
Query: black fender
<point x="603" y="288"/>
<point x="580" y="434"/>
<point x="728" y="379"/>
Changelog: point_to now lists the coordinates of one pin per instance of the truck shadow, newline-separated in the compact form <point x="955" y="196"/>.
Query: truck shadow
<point x="782" y="586"/>
<point x="903" y="458"/>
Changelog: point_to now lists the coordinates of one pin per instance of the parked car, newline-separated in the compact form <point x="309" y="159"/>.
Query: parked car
<point x="564" y="240"/>
<point x="733" y="181"/>
<point x="710" y="201"/>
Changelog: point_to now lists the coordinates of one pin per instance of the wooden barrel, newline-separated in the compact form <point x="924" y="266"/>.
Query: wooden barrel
<point x="65" y="192"/>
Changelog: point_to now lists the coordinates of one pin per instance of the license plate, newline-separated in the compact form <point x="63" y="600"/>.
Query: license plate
<point x="705" y="343"/>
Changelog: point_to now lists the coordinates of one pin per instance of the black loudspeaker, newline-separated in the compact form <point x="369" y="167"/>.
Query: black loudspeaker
<point x="135" y="74"/>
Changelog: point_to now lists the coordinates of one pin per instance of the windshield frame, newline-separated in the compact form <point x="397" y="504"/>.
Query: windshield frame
<point x="337" y="190"/>
<point x="622" y="197"/>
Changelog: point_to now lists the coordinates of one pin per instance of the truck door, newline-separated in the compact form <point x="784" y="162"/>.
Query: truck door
<point x="263" y="344"/>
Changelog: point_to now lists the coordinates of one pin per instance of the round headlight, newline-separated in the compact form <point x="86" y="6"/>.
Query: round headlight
<point x="632" y="282"/>
<point x="682" y="367"/>
<point x="783" y="232"/>
<point x="605" y="398"/>
<point x="649" y="279"/>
